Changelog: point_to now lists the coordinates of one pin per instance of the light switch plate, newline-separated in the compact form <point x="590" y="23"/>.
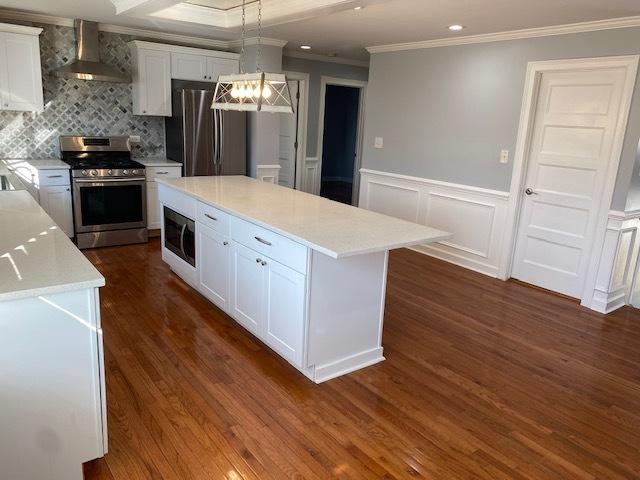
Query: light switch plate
<point x="134" y="138"/>
<point x="378" y="142"/>
<point x="504" y="156"/>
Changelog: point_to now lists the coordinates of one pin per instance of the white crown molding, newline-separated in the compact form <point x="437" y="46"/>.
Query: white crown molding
<point x="325" y="58"/>
<point x="248" y="42"/>
<point x="613" y="23"/>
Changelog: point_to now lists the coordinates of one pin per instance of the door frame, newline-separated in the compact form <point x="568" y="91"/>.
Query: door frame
<point x="535" y="70"/>
<point x="301" y="152"/>
<point x="342" y="82"/>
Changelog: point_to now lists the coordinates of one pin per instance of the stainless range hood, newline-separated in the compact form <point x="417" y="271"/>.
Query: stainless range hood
<point x="87" y="65"/>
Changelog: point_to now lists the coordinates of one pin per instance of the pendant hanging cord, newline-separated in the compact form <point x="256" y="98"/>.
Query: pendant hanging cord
<point x="259" y="60"/>
<point x="242" y="54"/>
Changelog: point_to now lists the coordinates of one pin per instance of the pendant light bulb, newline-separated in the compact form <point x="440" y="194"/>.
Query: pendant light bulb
<point x="234" y="90"/>
<point x="266" y="91"/>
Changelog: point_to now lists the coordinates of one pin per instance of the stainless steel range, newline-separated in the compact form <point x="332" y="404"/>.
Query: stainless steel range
<point x="108" y="189"/>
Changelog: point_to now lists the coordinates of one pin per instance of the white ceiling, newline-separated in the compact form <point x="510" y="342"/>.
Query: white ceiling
<point x="346" y="32"/>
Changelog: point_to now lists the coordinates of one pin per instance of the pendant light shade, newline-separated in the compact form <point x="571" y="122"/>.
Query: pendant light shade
<point x="253" y="92"/>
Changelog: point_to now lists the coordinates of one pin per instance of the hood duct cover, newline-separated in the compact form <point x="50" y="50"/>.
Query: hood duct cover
<point x="87" y="65"/>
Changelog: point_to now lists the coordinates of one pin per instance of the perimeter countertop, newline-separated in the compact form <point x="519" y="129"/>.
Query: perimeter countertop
<point x="158" y="162"/>
<point x="36" y="163"/>
<point x="36" y="257"/>
<point x="329" y="227"/>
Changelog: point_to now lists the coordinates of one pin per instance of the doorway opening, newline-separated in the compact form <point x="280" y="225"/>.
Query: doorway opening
<point x="293" y="132"/>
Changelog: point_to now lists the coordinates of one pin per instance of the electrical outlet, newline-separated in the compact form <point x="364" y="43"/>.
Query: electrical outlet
<point x="378" y="142"/>
<point x="504" y="156"/>
<point x="134" y="138"/>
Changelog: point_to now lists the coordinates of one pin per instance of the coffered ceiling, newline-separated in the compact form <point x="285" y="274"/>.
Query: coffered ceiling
<point x="333" y="26"/>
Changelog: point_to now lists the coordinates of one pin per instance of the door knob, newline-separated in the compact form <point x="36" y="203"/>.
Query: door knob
<point x="529" y="191"/>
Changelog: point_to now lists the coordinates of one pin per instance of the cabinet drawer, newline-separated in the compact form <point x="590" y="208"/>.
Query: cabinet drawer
<point x="162" y="172"/>
<point x="214" y="218"/>
<point x="53" y="177"/>
<point x="271" y="244"/>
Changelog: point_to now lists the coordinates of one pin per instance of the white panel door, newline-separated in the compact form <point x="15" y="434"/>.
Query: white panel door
<point x="186" y="66"/>
<point x="56" y="201"/>
<point x="288" y="141"/>
<point x="22" y="77"/>
<point x="572" y="137"/>
<point x="214" y="254"/>
<point x="247" y="288"/>
<point x="284" y="321"/>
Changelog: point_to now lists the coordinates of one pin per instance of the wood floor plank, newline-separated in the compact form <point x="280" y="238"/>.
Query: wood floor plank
<point x="484" y="379"/>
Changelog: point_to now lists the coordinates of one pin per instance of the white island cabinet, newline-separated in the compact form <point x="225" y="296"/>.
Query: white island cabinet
<point x="52" y="388"/>
<point x="304" y="274"/>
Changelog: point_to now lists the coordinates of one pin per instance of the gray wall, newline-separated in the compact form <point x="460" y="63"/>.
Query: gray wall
<point x="316" y="70"/>
<point x="445" y="113"/>
<point x="78" y="107"/>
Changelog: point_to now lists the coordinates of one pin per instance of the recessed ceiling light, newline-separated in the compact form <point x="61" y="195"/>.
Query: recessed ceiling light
<point x="358" y="8"/>
<point x="305" y="47"/>
<point x="455" y="28"/>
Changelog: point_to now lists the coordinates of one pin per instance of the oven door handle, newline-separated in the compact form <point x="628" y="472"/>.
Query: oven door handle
<point x="184" y="229"/>
<point x="109" y="180"/>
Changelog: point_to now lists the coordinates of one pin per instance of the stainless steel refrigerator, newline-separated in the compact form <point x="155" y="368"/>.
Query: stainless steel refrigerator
<point x="206" y="141"/>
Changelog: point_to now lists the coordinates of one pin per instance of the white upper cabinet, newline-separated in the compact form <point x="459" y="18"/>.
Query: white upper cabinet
<point x="187" y="66"/>
<point x="151" y="81"/>
<point x="20" y="71"/>
<point x="156" y="64"/>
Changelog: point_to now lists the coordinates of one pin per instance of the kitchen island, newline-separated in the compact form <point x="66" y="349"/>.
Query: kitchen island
<point x="52" y="391"/>
<point x="306" y="275"/>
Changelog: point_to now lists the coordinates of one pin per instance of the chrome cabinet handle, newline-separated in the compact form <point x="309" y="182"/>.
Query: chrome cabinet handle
<point x="225" y="243"/>
<point x="54" y="176"/>
<point x="262" y="240"/>
<point x="529" y="191"/>
<point x="162" y="173"/>
<point x="212" y="218"/>
<point x="263" y="263"/>
<point x="258" y="260"/>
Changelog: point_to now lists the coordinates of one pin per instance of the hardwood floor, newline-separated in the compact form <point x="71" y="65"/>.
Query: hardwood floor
<point x="483" y="380"/>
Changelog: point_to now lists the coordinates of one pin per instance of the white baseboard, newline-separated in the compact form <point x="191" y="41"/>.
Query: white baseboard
<point x="476" y="216"/>
<point x="268" y="173"/>
<point x="348" y="365"/>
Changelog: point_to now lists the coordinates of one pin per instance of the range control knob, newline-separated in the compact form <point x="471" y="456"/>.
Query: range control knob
<point x="84" y="173"/>
<point x="125" y="172"/>
<point x="94" y="173"/>
<point x="135" y="172"/>
<point x="109" y="172"/>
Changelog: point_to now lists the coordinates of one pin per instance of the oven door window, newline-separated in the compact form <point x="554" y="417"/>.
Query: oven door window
<point x="111" y="204"/>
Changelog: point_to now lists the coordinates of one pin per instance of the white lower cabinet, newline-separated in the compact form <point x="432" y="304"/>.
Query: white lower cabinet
<point x="284" y="311"/>
<point x="56" y="201"/>
<point x="214" y="254"/>
<point x="268" y="300"/>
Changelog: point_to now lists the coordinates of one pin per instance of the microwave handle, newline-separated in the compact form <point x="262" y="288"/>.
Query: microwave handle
<point x="184" y="229"/>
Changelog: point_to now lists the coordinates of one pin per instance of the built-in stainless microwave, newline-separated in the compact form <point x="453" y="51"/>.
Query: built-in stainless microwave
<point x="180" y="235"/>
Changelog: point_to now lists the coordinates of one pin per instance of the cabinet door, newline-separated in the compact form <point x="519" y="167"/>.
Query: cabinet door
<point x="186" y="66"/>
<point x="247" y="288"/>
<point x="21" y="76"/>
<point x="284" y="320"/>
<point x="153" y="206"/>
<point x="56" y="201"/>
<point x="220" y="66"/>
<point x="152" y="83"/>
<point x="213" y="256"/>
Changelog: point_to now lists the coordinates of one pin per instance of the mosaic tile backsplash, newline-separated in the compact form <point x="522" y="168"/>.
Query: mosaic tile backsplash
<point x="78" y="107"/>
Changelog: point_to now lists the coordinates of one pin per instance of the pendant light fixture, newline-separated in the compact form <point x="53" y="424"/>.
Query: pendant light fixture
<point x="253" y="92"/>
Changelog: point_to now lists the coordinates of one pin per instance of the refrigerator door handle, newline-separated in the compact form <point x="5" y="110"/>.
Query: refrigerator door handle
<point x="216" y="140"/>
<point x="221" y="145"/>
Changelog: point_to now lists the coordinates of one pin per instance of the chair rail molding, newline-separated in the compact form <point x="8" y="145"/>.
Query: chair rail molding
<point x="268" y="173"/>
<point x="618" y="263"/>
<point x="476" y="216"/>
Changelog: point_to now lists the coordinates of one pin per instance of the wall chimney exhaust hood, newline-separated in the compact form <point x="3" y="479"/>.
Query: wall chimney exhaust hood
<point x="87" y="65"/>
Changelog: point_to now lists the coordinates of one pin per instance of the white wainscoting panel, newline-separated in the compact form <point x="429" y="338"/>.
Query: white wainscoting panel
<point x="475" y="216"/>
<point x="618" y="262"/>
<point x="268" y="173"/>
<point x="311" y="176"/>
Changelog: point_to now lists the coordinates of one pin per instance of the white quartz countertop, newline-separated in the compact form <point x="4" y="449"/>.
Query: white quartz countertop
<point x="329" y="227"/>
<point x="158" y="162"/>
<point x="36" y="257"/>
<point x="37" y="163"/>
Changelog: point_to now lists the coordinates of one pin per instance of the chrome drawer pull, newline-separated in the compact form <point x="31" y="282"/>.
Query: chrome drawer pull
<point x="209" y="216"/>
<point x="54" y="176"/>
<point x="262" y="240"/>
<point x="162" y="173"/>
